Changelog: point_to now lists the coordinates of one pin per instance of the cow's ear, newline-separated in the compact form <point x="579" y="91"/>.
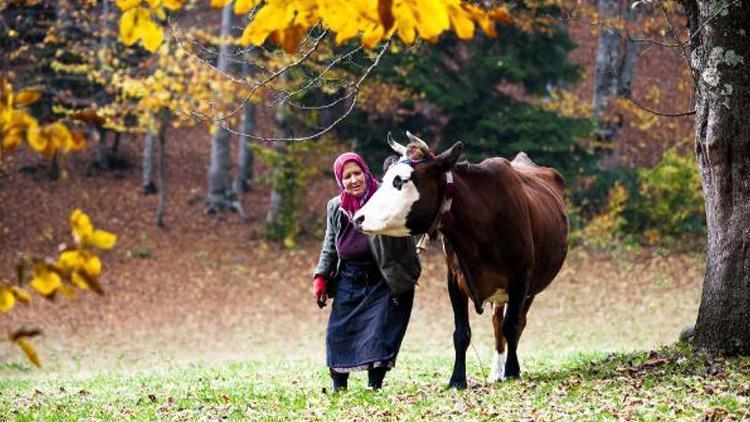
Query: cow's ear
<point x="448" y="158"/>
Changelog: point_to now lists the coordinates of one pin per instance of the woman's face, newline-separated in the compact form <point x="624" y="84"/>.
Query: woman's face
<point x="353" y="179"/>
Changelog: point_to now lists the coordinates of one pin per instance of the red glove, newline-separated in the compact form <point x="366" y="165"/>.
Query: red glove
<point x="319" y="290"/>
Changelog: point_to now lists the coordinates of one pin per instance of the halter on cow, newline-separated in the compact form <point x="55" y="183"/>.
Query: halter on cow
<point x="504" y="236"/>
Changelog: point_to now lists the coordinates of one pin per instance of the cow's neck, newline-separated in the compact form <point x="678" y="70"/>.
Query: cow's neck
<point x="458" y="234"/>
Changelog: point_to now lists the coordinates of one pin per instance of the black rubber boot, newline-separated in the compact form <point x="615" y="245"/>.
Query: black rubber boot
<point x="375" y="377"/>
<point x="340" y="380"/>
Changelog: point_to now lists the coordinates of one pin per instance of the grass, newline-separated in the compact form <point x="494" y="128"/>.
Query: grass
<point x="669" y="383"/>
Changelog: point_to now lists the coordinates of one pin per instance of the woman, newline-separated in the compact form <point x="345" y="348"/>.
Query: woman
<point x="371" y="281"/>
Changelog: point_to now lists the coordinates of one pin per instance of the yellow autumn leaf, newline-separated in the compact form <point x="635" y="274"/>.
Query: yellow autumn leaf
<point x="128" y="35"/>
<point x="500" y="14"/>
<point x="60" y="135"/>
<point x="481" y="17"/>
<point x="347" y="18"/>
<point x="373" y="36"/>
<point x="461" y="22"/>
<point x="125" y="5"/>
<point x="306" y="13"/>
<point x="173" y="4"/>
<point x="26" y="97"/>
<point x="92" y="266"/>
<point x="41" y="141"/>
<point x="160" y="13"/>
<point x="244" y="6"/>
<point x="102" y="239"/>
<point x="79" y="281"/>
<point x="272" y="16"/>
<point x="16" y="128"/>
<point x="28" y="349"/>
<point x="70" y="260"/>
<point x="7" y="300"/>
<point x="218" y="4"/>
<point x="152" y="35"/>
<point x="433" y="18"/>
<point x="404" y="21"/>
<point x="81" y="224"/>
<point x="45" y="281"/>
<point x="21" y="295"/>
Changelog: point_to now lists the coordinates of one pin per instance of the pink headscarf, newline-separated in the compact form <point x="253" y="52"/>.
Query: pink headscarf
<point x="349" y="203"/>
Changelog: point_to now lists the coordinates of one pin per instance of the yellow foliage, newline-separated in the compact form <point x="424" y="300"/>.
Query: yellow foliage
<point x="28" y="349"/>
<point x="26" y="97"/>
<point x="21" y="295"/>
<point x="127" y="4"/>
<point x="244" y="6"/>
<point x="605" y="228"/>
<point x="45" y="279"/>
<point x="137" y="23"/>
<point x="218" y="4"/>
<point x="10" y="294"/>
<point x="7" y="299"/>
<point x="16" y="125"/>
<point x="85" y="235"/>
<point x="286" y="21"/>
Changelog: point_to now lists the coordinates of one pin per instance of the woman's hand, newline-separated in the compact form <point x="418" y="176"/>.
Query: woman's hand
<point x="319" y="290"/>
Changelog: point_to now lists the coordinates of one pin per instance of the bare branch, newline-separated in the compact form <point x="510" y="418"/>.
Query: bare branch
<point x="641" y="106"/>
<point x="352" y="93"/>
<point x="255" y="87"/>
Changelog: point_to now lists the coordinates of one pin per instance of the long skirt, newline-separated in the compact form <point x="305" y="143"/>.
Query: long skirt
<point x="367" y="323"/>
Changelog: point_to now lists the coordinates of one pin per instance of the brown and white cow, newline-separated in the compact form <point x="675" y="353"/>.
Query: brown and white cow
<point x="504" y="236"/>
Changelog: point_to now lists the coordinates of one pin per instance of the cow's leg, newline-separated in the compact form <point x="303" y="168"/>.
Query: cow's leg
<point x="461" y="334"/>
<point x="498" y="361"/>
<point x="512" y="325"/>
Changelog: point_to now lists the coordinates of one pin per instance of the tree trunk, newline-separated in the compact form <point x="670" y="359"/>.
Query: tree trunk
<point x="161" y="206"/>
<point x="245" y="159"/>
<point x="607" y="56"/>
<point x="629" y="60"/>
<point x="720" y="54"/>
<point x="148" y="185"/>
<point x="102" y="151"/>
<point x="219" y="189"/>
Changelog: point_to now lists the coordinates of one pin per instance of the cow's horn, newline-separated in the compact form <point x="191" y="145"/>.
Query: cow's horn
<point x="422" y="144"/>
<point x="400" y="149"/>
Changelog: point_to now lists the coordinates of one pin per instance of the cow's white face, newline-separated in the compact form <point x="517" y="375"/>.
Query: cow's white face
<point x="387" y="211"/>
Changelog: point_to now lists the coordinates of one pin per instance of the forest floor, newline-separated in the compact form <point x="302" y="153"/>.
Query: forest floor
<point x="208" y="288"/>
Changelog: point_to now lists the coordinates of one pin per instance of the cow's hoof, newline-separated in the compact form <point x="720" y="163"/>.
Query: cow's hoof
<point x="497" y="373"/>
<point x="512" y="376"/>
<point x="457" y="384"/>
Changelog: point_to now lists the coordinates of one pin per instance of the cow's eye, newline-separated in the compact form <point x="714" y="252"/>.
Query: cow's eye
<point x="397" y="182"/>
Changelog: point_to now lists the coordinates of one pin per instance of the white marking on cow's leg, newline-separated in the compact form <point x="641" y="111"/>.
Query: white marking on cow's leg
<point x="497" y="373"/>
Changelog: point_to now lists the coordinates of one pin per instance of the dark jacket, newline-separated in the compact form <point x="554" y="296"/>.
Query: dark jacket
<point x="396" y="256"/>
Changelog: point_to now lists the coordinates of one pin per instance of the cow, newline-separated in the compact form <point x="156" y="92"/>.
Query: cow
<point x="504" y="229"/>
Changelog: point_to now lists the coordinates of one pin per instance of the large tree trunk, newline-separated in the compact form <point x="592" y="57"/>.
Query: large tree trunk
<point x="219" y="189"/>
<point x="607" y="56"/>
<point x="629" y="60"/>
<point x="720" y="54"/>
<point x="616" y="60"/>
